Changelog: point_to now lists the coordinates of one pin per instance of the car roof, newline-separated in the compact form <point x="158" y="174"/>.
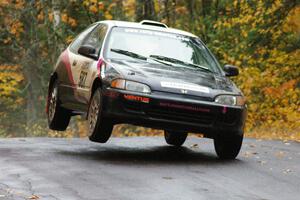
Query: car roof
<point x="161" y="27"/>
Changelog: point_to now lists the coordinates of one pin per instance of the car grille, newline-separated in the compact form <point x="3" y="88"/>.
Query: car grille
<point x="180" y="115"/>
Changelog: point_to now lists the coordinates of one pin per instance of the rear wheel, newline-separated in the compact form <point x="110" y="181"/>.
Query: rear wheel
<point x="228" y="147"/>
<point x="100" y="128"/>
<point x="58" y="117"/>
<point x="175" y="138"/>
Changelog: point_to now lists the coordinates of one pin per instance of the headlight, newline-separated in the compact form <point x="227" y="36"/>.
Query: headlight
<point x="137" y="87"/>
<point x="130" y="85"/>
<point x="230" y="100"/>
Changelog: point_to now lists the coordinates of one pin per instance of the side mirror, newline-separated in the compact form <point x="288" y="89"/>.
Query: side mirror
<point x="231" y="70"/>
<point x="88" y="51"/>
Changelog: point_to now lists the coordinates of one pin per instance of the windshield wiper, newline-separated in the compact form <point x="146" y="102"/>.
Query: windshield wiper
<point x="138" y="56"/>
<point x="129" y="53"/>
<point x="176" y="61"/>
<point x="159" y="59"/>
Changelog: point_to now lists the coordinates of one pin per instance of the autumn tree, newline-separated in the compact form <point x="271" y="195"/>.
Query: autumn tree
<point x="261" y="37"/>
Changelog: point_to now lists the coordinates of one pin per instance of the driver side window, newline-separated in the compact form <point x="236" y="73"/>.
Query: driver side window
<point x="96" y="38"/>
<point x="78" y="40"/>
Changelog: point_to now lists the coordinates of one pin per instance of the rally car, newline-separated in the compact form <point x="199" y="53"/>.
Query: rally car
<point x="147" y="74"/>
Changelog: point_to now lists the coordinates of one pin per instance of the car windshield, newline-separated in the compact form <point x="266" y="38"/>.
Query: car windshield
<point x="133" y="43"/>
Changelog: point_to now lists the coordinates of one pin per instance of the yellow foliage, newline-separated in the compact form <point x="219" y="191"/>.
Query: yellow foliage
<point x="19" y="4"/>
<point x="16" y="28"/>
<point x="93" y="8"/>
<point x="10" y="78"/>
<point x="101" y="5"/>
<point x="7" y="40"/>
<point x="72" y="22"/>
<point x="129" y="7"/>
<point x="5" y="2"/>
<point x="107" y="15"/>
<point x="181" y="10"/>
<point x="41" y="16"/>
<point x="50" y="16"/>
<point x="64" y="18"/>
<point x="69" y="39"/>
<point x="269" y="77"/>
<point x="293" y="21"/>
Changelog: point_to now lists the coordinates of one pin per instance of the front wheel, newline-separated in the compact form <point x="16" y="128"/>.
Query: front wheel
<point x="228" y="147"/>
<point x="100" y="128"/>
<point x="175" y="138"/>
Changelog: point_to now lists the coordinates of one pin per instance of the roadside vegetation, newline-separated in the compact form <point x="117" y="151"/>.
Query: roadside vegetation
<point x="261" y="37"/>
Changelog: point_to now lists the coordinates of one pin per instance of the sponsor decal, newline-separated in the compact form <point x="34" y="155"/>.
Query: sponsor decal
<point x="184" y="87"/>
<point x="111" y="94"/>
<point x="85" y="65"/>
<point x="74" y="62"/>
<point x="82" y="79"/>
<point x="184" y="107"/>
<point x="155" y="33"/>
<point x="136" y="98"/>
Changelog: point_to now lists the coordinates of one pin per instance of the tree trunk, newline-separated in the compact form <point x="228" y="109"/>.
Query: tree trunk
<point x="149" y="10"/>
<point x="166" y="11"/>
<point x="192" y="8"/>
<point x="139" y="10"/>
<point x="120" y="12"/>
<point x="57" y="24"/>
<point x="145" y="10"/>
<point x="56" y="14"/>
<point x="31" y="64"/>
<point x="174" y="15"/>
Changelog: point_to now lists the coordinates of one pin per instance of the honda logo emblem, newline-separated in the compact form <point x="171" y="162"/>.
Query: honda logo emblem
<point x="184" y="91"/>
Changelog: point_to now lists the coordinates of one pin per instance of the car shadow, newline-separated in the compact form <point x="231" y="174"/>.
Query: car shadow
<point x="148" y="155"/>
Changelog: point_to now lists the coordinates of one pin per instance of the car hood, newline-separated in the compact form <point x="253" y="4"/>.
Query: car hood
<point x="174" y="79"/>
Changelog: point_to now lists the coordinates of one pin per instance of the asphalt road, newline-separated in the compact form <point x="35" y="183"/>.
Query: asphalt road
<point x="145" y="168"/>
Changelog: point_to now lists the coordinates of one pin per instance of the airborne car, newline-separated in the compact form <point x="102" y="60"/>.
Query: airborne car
<point x="149" y="75"/>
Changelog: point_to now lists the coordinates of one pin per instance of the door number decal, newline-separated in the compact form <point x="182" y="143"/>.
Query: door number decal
<point x="82" y="79"/>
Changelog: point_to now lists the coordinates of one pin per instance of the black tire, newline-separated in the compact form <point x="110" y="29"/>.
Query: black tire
<point x="58" y="117"/>
<point x="100" y="128"/>
<point x="175" y="138"/>
<point x="228" y="147"/>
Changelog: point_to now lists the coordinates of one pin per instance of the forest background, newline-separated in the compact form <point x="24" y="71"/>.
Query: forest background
<point x="261" y="37"/>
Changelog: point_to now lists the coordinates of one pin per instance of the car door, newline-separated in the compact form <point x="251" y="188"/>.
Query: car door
<point x="87" y="67"/>
<point x="68" y="70"/>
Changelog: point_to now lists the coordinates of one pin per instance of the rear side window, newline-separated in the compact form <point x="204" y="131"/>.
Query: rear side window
<point x="96" y="38"/>
<point x="79" y="39"/>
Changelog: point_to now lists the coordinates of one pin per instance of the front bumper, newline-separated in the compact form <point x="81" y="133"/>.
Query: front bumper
<point x="170" y="111"/>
